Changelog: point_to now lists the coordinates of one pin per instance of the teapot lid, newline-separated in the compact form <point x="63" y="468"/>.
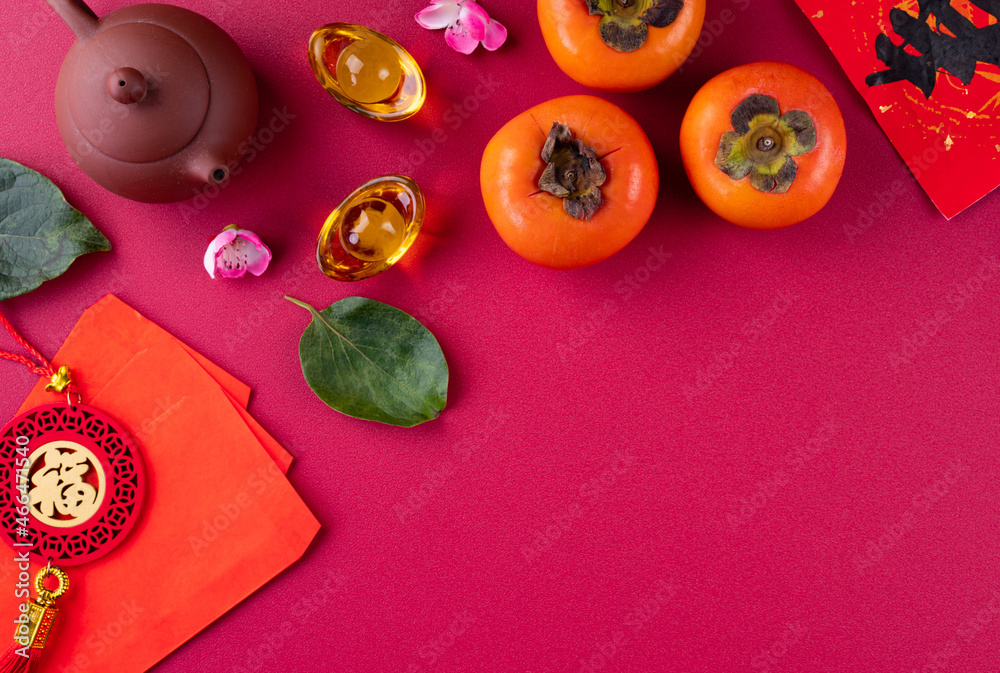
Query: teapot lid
<point x="138" y="92"/>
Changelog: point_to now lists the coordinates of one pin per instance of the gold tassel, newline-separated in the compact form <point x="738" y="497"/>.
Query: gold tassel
<point x="34" y="623"/>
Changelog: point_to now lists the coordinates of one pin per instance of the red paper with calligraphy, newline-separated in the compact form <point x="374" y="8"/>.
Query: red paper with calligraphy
<point x="928" y="70"/>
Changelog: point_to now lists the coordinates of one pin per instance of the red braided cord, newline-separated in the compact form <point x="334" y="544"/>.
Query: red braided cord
<point x="39" y="366"/>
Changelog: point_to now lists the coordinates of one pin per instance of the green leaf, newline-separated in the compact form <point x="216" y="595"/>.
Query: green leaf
<point x="371" y="361"/>
<point x="40" y="234"/>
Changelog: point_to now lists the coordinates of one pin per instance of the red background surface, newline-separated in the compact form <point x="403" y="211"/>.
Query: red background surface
<point x="788" y="403"/>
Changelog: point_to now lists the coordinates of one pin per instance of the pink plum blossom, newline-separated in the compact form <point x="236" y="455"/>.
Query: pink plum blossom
<point x="234" y="252"/>
<point x="467" y="25"/>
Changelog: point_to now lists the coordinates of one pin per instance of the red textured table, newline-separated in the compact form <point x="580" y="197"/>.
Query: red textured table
<point x="720" y="450"/>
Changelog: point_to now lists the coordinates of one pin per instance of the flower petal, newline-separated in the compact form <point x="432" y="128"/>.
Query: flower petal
<point x="459" y="39"/>
<point x="472" y="9"/>
<point x="751" y="107"/>
<point x="496" y="35"/>
<point x="233" y="258"/>
<point x="258" y="260"/>
<point x="226" y="237"/>
<point x="438" y="14"/>
<point x="209" y="261"/>
<point x="474" y="18"/>
<point x="250" y="236"/>
<point x="234" y="272"/>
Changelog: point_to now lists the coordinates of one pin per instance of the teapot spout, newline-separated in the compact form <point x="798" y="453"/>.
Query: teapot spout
<point x="75" y="13"/>
<point x="210" y="169"/>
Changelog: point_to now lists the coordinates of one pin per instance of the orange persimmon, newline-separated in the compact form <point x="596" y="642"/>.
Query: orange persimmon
<point x="569" y="182"/>
<point x="764" y="145"/>
<point x="620" y="45"/>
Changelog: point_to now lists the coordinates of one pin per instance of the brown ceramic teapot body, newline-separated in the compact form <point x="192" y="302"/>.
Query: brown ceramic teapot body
<point x="154" y="102"/>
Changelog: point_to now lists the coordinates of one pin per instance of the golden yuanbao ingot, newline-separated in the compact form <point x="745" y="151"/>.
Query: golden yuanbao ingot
<point x="366" y="71"/>
<point x="371" y="229"/>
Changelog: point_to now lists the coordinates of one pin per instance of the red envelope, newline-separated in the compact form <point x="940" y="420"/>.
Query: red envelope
<point x="914" y="62"/>
<point x="220" y="518"/>
<point x="109" y="334"/>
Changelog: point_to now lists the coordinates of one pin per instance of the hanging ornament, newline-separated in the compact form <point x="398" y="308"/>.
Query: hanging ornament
<point x="74" y="488"/>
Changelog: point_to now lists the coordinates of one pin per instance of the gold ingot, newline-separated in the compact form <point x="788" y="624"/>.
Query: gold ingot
<point x="60" y="380"/>
<point x="371" y="229"/>
<point x="367" y="72"/>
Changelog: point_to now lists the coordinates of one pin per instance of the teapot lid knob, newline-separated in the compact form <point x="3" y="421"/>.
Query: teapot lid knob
<point x="127" y="85"/>
<point x="159" y="67"/>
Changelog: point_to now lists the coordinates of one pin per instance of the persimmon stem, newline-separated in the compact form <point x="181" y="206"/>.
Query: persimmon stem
<point x="573" y="173"/>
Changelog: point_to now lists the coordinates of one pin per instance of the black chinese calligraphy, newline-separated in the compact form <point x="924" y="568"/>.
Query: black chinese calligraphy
<point x="957" y="45"/>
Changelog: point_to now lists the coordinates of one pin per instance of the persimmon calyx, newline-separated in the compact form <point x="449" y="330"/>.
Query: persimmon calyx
<point x="763" y="142"/>
<point x="573" y="173"/>
<point x="624" y="23"/>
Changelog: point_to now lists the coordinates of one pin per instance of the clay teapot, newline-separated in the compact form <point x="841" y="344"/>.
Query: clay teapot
<point x="154" y="102"/>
